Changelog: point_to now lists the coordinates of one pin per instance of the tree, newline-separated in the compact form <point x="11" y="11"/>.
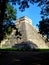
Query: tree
<point x="44" y="28"/>
<point x="45" y="8"/>
<point x="7" y="24"/>
<point x="10" y="15"/>
<point x="44" y="4"/>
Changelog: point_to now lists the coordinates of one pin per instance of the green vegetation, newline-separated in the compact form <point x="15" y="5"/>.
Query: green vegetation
<point x="7" y="24"/>
<point x="10" y="15"/>
<point x="23" y="49"/>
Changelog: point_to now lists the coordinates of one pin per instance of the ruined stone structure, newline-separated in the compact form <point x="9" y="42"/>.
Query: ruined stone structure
<point x="29" y="33"/>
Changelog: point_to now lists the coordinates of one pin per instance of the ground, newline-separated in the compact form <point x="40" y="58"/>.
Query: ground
<point x="24" y="57"/>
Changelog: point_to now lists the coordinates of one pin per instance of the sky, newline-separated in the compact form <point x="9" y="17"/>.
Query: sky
<point x="33" y="12"/>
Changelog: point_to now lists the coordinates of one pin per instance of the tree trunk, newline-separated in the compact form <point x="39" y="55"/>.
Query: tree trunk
<point x="2" y="9"/>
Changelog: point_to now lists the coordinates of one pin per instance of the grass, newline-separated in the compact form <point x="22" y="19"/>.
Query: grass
<point x="24" y="49"/>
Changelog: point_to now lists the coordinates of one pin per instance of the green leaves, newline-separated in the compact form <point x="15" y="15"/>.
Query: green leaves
<point x="9" y="16"/>
<point x="10" y="12"/>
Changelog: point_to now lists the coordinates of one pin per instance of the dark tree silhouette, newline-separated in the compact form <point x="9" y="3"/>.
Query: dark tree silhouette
<point x="45" y="9"/>
<point x="8" y="13"/>
<point x="44" y="28"/>
<point x="44" y="4"/>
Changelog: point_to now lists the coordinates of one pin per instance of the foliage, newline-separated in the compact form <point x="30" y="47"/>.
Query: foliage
<point x="44" y="27"/>
<point x="45" y="8"/>
<point x="10" y="15"/>
<point x="44" y="4"/>
<point x="7" y="24"/>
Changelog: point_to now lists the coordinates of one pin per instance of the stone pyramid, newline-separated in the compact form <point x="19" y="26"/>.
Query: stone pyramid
<point x="29" y="33"/>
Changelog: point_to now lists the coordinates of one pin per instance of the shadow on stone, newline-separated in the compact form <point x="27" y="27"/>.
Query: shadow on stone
<point x="26" y="45"/>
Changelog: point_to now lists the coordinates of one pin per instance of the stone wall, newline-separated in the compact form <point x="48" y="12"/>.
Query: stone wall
<point x="34" y="36"/>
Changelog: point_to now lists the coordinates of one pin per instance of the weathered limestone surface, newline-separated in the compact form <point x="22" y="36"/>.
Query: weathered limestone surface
<point x="29" y="33"/>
